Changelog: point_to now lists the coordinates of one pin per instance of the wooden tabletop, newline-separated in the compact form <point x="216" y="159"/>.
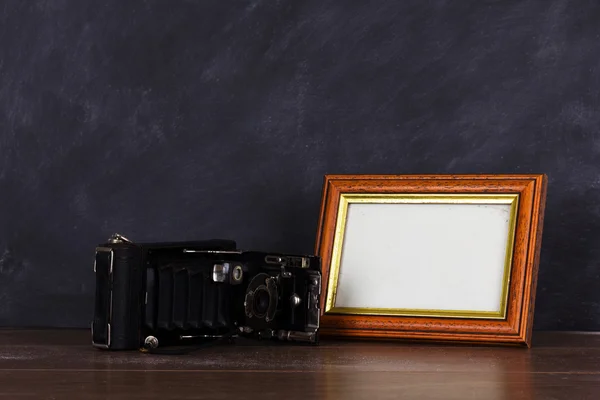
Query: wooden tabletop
<point x="54" y="364"/>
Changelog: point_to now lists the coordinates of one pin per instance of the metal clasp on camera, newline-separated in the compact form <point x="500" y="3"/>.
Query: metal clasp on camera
<point x="288" y="261"/>
<point x="118" y="238"/>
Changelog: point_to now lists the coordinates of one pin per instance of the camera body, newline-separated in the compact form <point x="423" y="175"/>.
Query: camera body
<point x="154" y="294"/>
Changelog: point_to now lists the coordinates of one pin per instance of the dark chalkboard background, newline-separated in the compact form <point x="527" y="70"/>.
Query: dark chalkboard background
<point x="175" y="120"/>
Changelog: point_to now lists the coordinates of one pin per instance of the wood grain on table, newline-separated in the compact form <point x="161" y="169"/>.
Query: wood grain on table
<point x="55" y="364"/>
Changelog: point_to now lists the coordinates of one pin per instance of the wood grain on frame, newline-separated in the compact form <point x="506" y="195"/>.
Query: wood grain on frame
<point x="515" y="328"/>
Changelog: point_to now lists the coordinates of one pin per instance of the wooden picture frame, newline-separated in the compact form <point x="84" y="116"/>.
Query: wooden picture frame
<point x="431" y="257"/>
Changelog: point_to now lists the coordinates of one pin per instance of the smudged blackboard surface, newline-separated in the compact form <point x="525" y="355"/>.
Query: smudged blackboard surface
<point x="180" y="120"/>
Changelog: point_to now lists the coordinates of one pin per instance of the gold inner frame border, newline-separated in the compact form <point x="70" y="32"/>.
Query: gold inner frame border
<point x="413" y="198"/>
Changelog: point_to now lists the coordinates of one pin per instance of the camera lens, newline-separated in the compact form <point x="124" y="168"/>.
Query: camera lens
<point x="261" y="302"/>
<point x="262" y="298"/>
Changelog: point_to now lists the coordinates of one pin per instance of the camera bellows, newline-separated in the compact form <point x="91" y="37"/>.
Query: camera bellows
<point x="165" y="299"/>
<point x="180" y="297"/>
<point x="183" y="298"/>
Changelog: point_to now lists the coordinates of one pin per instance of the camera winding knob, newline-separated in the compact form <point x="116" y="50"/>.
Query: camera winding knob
<point x="151" y="342"/>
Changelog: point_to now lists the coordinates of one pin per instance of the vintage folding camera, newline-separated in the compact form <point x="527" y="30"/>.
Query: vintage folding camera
<point x="161" y="294"/>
